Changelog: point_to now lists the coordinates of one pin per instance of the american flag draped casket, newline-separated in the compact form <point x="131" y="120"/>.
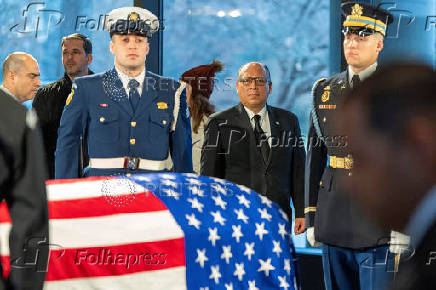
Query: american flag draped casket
<point x="163" y="231"/>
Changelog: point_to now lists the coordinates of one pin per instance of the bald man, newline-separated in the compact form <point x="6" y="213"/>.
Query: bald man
<point x="22" y="175"/>
<point x="21" y="76"/>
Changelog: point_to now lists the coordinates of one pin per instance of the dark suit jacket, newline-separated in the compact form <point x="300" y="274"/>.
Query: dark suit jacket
<point x="419" y="272"/>
<point x="22" y="185"/>
<point x="230" y="152"/>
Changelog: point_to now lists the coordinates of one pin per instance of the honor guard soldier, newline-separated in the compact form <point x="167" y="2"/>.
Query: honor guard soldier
<point x="133" y="120"/>
<point x="354" y="251"/>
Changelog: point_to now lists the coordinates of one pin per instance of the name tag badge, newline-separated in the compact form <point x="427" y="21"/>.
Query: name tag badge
<point x="162" y="105"/>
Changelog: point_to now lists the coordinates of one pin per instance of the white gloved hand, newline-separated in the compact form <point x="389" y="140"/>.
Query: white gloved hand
<point x="310" y="235"/>
<point x="399" y="242"/>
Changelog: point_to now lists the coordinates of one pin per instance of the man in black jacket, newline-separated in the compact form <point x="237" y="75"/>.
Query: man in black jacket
<point x="256" y="145"/>
<point x="50" y="100"/>
<point x="391" y="123"/>
<point x="22" y="175"/>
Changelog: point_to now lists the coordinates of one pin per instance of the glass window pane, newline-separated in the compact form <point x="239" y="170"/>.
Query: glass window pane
<point x="37" y="27"/>
<point x="290" y="36"/>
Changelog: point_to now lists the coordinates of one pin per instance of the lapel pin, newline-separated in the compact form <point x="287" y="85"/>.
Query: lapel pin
<point x="277" y="123"/>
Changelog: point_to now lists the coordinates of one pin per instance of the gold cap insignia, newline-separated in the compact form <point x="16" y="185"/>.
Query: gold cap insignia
<point x="162" y="105"/>
<point x="357" y="10"/>
<point x="325" y="96"/>
<point x="133" y="16"/>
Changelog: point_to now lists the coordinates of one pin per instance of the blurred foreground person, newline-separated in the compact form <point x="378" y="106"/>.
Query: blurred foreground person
<point x="200" y="83"/>
<point x="21" y="76"/>
<point x="22" y="175"/>
<point x="390" y="121"/>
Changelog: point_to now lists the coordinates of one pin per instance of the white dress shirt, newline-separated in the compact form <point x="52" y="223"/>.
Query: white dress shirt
<point x="125" y="81"/>
<point x="264" y="121"/>
<point x="363" y="74"/>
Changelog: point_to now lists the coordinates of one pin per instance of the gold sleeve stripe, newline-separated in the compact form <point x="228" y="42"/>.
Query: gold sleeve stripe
<point x="310" y="209"/>
<point x="368" y="20"/>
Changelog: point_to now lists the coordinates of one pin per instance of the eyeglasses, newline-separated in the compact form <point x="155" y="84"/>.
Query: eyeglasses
<point x="258" y="82"/>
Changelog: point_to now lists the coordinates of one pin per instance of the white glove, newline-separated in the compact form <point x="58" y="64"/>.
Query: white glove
<point x="310" y="235"/>
<point x="399" y="242"/>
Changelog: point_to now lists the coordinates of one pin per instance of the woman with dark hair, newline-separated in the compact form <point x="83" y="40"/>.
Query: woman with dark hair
<point x="200" y="83"/>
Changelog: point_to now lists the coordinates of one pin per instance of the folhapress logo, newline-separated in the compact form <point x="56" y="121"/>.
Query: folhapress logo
<point x="37" y="20"/>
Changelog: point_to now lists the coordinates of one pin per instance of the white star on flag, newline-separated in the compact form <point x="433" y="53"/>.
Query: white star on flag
<point x="167" y="176"/>
<point x="249" y="250"/>
<point x="217" y="218"/>
<point x="196" y="190"/>
<point x="219" y="189"/>
<point x="287" y="266"/>
<point x="266" y="201"/>
<point x="237" y="233"/>
<point x="219" y="202"/>
<point x="243" y="200"/>
<point x="213" y="236"/>
<point x="168" y="182"/>
<point x="244" y="188"/>
<point x="172" y="193"/>
<point x="193" y="221"/>
<point x="252" y="285"/>
<point x="194" y="181"/>
<point x="196" y="204"/>
<point x="277" y="249"/>
<point x="201" y="257"/>
<point x="218" y="180"/>
<point x="284" y="215"/>
<point x="229" y="286"/>
<point x="215" y="273"/>
<point x="240" y="271"/>
<point x="227" y="253"/>
<point x="193" y="175"/>
<point x="282" y="231"/>
<point x="265" y="266"/>
<point x="143" y="178"/>
<point x="264" y="214"/>
<point x="260" y="230"/>
<point x="283" y="283"/>
<point x="241" y="215"/>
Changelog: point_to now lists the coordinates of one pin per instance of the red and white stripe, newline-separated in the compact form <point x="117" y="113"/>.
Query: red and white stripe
<point x="96" y="245"/>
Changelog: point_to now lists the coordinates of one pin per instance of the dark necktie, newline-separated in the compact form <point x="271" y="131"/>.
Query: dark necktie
<point x="258" y="133"/>
<point x="133" y="93"/>
<point x="355" y="81"/>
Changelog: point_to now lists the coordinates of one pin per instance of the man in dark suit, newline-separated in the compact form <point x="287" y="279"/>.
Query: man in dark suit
<point x="256" y="145"/>
<point x="353" y="248"/>
<point x="22" y="175"/>
<point x="50" y="100"/>
<point x="391" y="123"/>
